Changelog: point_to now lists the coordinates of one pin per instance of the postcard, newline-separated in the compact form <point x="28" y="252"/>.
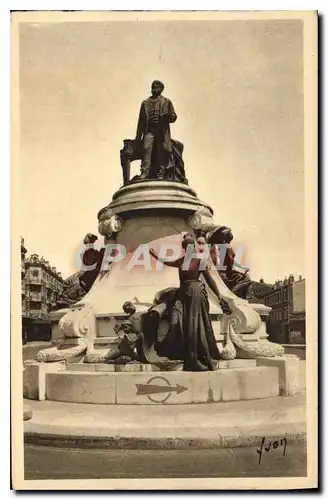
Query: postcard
<point x="164" y="246"/>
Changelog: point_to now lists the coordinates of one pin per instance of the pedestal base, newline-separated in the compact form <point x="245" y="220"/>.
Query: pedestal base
<point x="144" y="384"/>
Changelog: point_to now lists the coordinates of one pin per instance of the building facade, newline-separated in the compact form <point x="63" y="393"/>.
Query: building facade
<point x="41" y="286"/>
<point x="286" y="323"/>
<point x="259" y="290"/>
<point x="23" y="271"/>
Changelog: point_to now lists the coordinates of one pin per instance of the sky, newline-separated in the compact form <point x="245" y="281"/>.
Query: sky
<point x="237" y="88"/>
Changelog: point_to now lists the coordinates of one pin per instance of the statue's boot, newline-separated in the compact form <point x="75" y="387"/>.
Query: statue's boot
<point x="194" y="365"/>
<point x="161" y="173"/>
<point x="145" y="171"/>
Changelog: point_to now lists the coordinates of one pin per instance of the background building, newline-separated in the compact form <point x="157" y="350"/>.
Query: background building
<point x="259" y="290"/>
<point x="286" y="323"/>
<point x="42" y="284"/>
<point x="23" y="291"/>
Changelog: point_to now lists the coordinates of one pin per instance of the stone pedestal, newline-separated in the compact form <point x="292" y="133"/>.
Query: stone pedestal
<point x="150" y="212"/>
<point x="136" y="384"/>
<point x="143" y="214"/>
<point x="155" y="213"/>
<point x="34" y="378"/>
<point x="147" y="212"/>
<point x="288" y="367"/>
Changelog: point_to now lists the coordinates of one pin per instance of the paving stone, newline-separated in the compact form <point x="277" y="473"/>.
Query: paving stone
<point x="150" y="368"/>
<point x="129" y="367"/>
<point x="200" y="387"/>
<point x="34" y="383"/>
<point x="237" y="363"/>
<point x="215" y="387"/>
<point x="105" y="367"/>
<point x="81" y="367"/>
<point x="226" y="387"/>
<point x="81" y="387"/>
<point x="262" y="382"/>
<point x="288" y="372"/>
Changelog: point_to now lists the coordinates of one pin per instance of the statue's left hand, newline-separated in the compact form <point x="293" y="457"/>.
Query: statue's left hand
<point x="172" y="117"/>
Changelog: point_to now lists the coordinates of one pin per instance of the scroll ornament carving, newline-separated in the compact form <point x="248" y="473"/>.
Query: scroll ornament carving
<point x="241" y="318"/>
<point x="58" y="354"/>
<point x="105" y="213"/>
<point x="79" y="323"/>
<point x="201" y="220"/>
<point x="110" y="226"/>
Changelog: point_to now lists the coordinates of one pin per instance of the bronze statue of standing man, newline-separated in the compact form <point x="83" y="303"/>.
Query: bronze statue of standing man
<point x="156" y="114"/>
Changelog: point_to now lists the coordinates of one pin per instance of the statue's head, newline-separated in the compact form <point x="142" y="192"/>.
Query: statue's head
<point x="123" y="328"/>
<point x="220" y="234"/>
<point x="157" y="88"/>
<point x="227" y="235"/>
<point x="129" y="307"/>
<point x="200" y="244"/>
<point x="90" y="238"/>
<point x="187" y="239"/>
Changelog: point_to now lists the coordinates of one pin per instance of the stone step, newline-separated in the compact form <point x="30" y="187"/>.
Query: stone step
<point x="140" y="367"/>
<point x="169" y="387"/>
<point x="111" y="367"/>
<point x="89" y="367"/>
<point x="99" y="342"/>
<point x="108" y="340"/>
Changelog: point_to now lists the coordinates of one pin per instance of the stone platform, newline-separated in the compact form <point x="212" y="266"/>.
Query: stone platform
<point x="193" y="426"/>
<point x="143" y="196"/>
<point x="138" y="384"/>
<point x="155" y="214"/>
